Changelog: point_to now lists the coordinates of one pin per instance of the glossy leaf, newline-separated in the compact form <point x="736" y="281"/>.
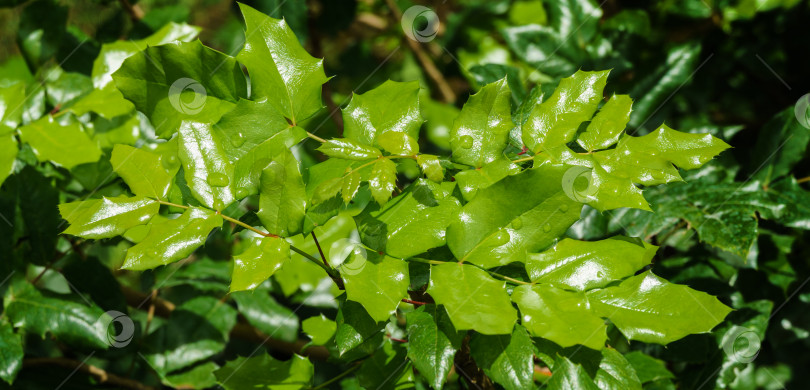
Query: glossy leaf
<point x="481" y="131"/>
<point x="172" y="240"/>
<point x="395" y="142"/>
<point x="208" y="171"/>
<point x="263" y="312"/>
<point x="262" y="258"/>
<point x="383" y="180"/>
<point x="107" y="217"/>
<point x="515" y="216"/>
<point x="11" y="352"/>
<point x="356" y="330"/>
<point x="567" y="375"/>
<point x="348" y="149"/>
<point x="70" y="321"/>
<point x="432" y="343"/>
<point x="280" y="69"/>
<point x="391" y="107"/>
<point x="8" y="153"/>
<point x="379" y="285"/>
<point x="265" y="372"/>
<point x="555" y="121"/>
<point x="471" y="180"/>
<point x="650" y="309"/>
<point x="685" y="150"/>
<point x="282" y="198"/>
<point x="143" y="171"/>
<point x="507" y="359"/>
<point x="414" y="222"/>
<point x="473" y="299"/>
<point x="431" y="167"/>
<point x="180" y="81"/>
<point x="615" y="372"/>
<point x="561" y="316"/>
<point x="64" y="144"/>
<point x="583" y="265"/>
<point x="648" y="368"/>
<point x="319" y="328"/>
<point x="607" y="125"/>
<point x="248" y="169"/>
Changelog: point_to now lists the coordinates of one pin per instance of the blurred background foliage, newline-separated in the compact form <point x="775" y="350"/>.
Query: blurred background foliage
<point x="737" y="229"/>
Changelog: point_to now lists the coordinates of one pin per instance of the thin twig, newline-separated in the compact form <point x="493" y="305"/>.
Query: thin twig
<point x="318" y="244"/>
<point x="803" y="180"/>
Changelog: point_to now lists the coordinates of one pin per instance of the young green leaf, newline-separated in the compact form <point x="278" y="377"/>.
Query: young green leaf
<point x="319" y="328"/>
<point x="349" y="149"/>
<point x="395" y="142"/>
<point x="65" y="144"/>
<point x="473" y="299"/>
<point x="555" y="121"/>
<point x="383" y="180"/>
<point x="432" y="343"/>
<point x="172" y="240"/>
<point x="561" y="316"/>
<point x="263" y="257"/>
<point x="584" y="265"/>
<point x="650" y="309"/>
<point x="507" y="359"/>
<point x="391" y="107"/>
<point x="107" y="217"/>
<point x="471" y="180"/>
<point x="431" y="167"/>
<point x="481" y="131"/>
<point x="208" y="171"/>
<point x="143" y="171"/>
<point x="282" y="198"/>
<point x="349" y="186"/>
<point x="608" y="124"/>
<point x="280" y="69"/>
<point x="379" y="285"/>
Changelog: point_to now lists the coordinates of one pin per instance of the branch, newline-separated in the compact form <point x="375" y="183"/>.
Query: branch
<point x="102" y="376"/>
<point x="241" y="330"/>
<point x="430" y="68"/>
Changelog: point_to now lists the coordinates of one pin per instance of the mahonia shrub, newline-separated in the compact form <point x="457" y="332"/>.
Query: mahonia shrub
<point x="435" y="259"/>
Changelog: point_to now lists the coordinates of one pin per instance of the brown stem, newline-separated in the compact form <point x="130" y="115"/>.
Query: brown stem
<point x="102" y="376"/>
<point x="318" y="244"/>
<point x="412" y="302"/>
<point x="803" y="180"/>
<point x="135" y="12"/>
<point x="427" y="64"/>
<point x="241" y="330"/>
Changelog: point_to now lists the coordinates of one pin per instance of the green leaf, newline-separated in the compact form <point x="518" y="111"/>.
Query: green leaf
<point x="356" y="330"/>
<point x="379" y="285"/>
<point x="69" y="321"/>
<point x="383" y="180"/>
<point x="506" y="359"/>
<point x="648" y="368"/>
<point x="195" y="331"/>
<point x="11" y="352"/>
<point x="264" y="372"/>
<point x="412" y="223"/>
<point x="198" y="377"/>
<point x="583" y="265"/>
<point x="615" y="372"/>
<point x="262" y="258"/>
<point x="107" y="217"/>
<point x="348" y="188"/>
<point x="320" y="329"/>
<point x="685" y="150"/>
<point x="608" y="124"/>
<point x="181" y="81"/>
<point x="113" y="54"/>
<point x="481" y="131"/>
<point x="431" y="167"/>
<point x="520" y="214"/>
<point x="283" y="198"/>
<point x="64" y="144"/>
<point x="11" y="100"/>
<point x="391" y="107"/>
<point x="267" y="315"/>
<point x="208" y="171"/>
<point x="650" y="309"/>
<point x="473" y="299"/>
<point x="172" y="240"/>
<point x="432" y="343"/>
<point x="387" y="368"/>
<point x="143" y="171"/>
<point x="248" y="169"/>
<point x="561" y="316"/>
<point x="348" y="149"/>
<point x="555" y="121"/>
<point x="8" y="153"/>
<point x="471" y="180"/>
<point x="280" y="69"/>
<point x="395" y="142"/>
<point x="567" y="375"/>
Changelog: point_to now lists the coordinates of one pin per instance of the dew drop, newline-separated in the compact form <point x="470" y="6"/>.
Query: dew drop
<point x="466" y="142"/>
<point x="517" y="223"/>
<point x="501" y="238"/>
<point x="546" y="228"/>
<point x="238" y="140"/>
<point x="169" y="162"/>
<point x="218" y="180"/>
<point x="564" y="208"/>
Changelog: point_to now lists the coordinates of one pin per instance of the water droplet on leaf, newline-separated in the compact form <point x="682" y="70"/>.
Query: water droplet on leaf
<point x="546" y="228"/>
<point x="218" y="180"/>
<point x="466" y="142"/>
<point x="517" y="223"/>
<point x="501" y="238"/>
<point x="564" y="208"/>
<point x="238" y="140"/>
